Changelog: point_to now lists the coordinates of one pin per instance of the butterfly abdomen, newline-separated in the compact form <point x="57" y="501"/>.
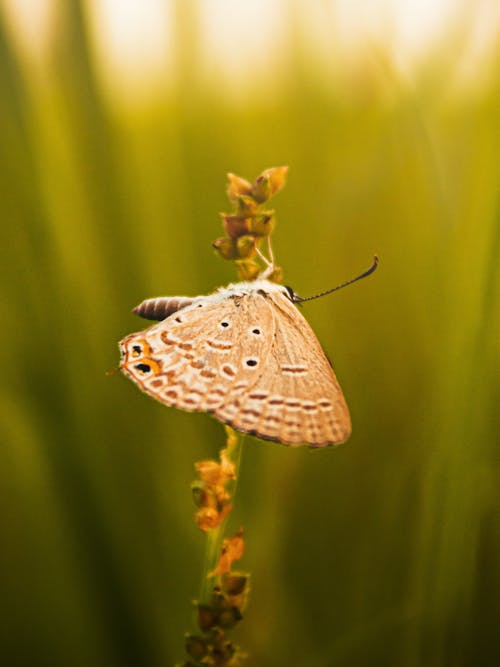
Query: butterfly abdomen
<point x="160" y="308"/>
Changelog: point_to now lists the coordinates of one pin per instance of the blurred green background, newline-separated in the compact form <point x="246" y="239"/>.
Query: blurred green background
<point x="384" y="551"/>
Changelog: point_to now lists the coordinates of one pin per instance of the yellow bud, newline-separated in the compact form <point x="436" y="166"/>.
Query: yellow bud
<point x="261" y="188"/>
<point x="248" y="269"/>
<point x="245" y="246"/>
<point x="235" y="225"/>
<point x="277" y="275"/>
<point x="237" y="186"/>
<point x="209" y="471"/>
<point x="226" y="248"/>
<point x="277" y="178"/>
<point x="207" y="518"/>
<point x="269" y="183"/>
<point x="246" y="206"/>
<point x="227" y="466"/>
<point x="232" y="549"/>
<point x="262" y="225"/>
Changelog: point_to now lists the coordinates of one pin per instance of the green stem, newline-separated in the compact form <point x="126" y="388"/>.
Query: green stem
<point x="216" y="535"/>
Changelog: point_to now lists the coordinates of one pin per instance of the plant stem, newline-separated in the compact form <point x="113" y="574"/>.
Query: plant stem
<point x="216" y="535"/>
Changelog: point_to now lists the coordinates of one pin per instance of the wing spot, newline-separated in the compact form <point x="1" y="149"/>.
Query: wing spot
<point x="185" y="346"/>
<point x="250" y="411"/>
<point x="171" y="393"/>
<point x="258" y="397"/>
<point x="240" y="387"/>
<point x="256" y="331"/>
<point x="251" y="362"/>
<point x="168" y="340"/>
<point x="249" y="419"/>
<point x="197" y="363"/>
<point x="228" y="370"/>
<point x="224" y="324"/>
<point x="136" y="350"/>
<point x="219" y="391"/>
<point x="293" y="404"/>
<point x="276" y="401"/>
<point x="157" y="383"/>
<point x="218" y="345"/>
<point x="310" y="407"/>
<point x="294" y="370"/>
<point x="143" y="368"/>
<point x="271" y="419"/>
<point x="193" y="397"/>
<point x="213" y="399"/>
<point x="208" y="373"/>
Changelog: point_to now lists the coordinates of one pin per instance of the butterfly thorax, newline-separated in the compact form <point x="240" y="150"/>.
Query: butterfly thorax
<point x="260" y="287"/>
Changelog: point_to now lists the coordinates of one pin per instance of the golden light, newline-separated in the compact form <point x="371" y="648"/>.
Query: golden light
<point x="245" y="47"/>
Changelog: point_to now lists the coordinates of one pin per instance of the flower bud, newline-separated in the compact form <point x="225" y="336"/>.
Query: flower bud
<point x="261" y="188"/>
<point x="222" y="648"/>
<point x="277" y="275"/>
<point x="207" y="518"/>
<point x="229" y="617"/>
<point x="203" y="495"/>
<point x="237" y="186"/>
<point x="248" y="269"/>
<point x="245" y="246"/>
<point x="235" y="584"/>
<point x="219" y="600"/>
<point x="226" y="248"/>
<point x="269" y="183"/>
<point x="262" y="225"/>
<point x="210" y="471"/>
<point x="196" y="647"/>
<point x="235" y="225"/>
<point x="206" y="617"/>
<point x="246" y="205"/>
<point x="232" y="549"/>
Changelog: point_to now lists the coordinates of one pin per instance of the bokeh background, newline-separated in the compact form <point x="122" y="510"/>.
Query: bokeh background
<point x="118" y="122"/>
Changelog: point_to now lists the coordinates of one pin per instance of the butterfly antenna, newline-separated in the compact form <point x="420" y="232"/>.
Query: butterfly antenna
<point x="300" y="299"/>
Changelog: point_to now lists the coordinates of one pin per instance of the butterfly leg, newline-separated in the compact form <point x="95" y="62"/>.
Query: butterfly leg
<point x="270" y="267"/>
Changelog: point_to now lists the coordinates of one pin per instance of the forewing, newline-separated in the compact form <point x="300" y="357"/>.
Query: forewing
<point x="298" y="399"/>
<point x="202" y="356"/>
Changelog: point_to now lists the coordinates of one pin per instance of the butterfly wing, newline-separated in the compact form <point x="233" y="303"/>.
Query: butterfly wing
<point x="253" y="360"/>
<point x="203" y="355"/>
<point x="298" y="399"/>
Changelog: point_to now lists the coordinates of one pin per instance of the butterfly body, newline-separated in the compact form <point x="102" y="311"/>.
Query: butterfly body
<point x="246" y="354"/>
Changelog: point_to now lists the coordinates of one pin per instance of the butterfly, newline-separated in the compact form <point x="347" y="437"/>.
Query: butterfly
<point x="245" y="354"/>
